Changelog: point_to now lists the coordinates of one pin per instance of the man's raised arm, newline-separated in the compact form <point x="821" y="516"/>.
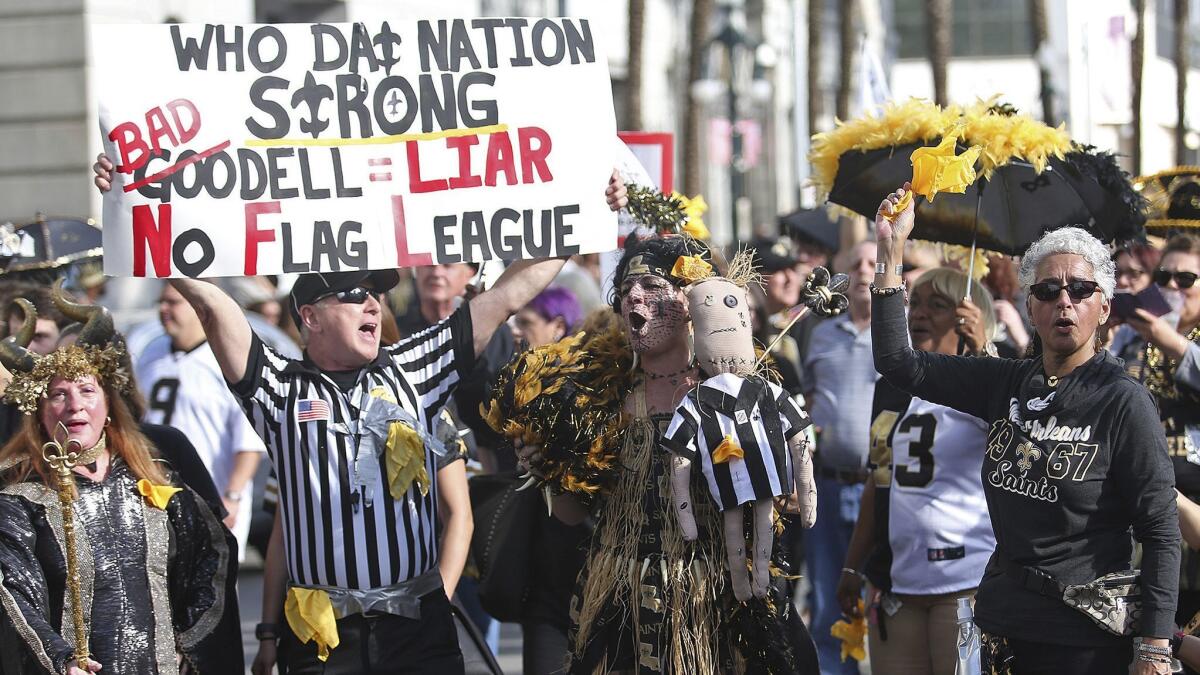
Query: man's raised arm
<point x="520" y="283"/>
<point x="224" y="321"/>
<point x="524" y="279"/>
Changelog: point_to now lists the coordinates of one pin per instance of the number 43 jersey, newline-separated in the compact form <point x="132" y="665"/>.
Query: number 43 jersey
<point x="938" y="524"/>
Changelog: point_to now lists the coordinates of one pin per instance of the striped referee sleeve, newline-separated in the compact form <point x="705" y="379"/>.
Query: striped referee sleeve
<point x="795" y="419"/>
<point x="682" y="434"/>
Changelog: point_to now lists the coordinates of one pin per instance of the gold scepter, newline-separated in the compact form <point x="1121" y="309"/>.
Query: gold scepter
<point x="62" y="459"/>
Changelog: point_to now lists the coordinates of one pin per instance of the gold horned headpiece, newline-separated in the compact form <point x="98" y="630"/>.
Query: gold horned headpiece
<point x="98" y="352"/>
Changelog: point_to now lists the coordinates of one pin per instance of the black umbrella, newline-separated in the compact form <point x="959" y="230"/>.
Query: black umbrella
<point x="1006" y="212"/>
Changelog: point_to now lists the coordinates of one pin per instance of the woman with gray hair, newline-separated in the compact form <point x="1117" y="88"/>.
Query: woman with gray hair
<point x="1075" y="460"/>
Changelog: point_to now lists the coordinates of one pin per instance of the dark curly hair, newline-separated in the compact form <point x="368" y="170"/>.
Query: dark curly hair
<point x="664" y="251"/>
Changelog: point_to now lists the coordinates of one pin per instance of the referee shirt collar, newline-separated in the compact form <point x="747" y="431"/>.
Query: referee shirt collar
<point x="307" y="367"/>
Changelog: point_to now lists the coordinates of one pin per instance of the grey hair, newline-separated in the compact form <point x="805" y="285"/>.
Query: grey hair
<point x="1075" y="241"/>
<point x="950" y="283"/>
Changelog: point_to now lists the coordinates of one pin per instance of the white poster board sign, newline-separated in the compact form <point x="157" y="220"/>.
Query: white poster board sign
<point x="266" y="149"/>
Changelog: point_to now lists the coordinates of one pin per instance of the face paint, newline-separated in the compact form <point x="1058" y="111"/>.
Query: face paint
<point x="724" y="342"/>
<point x="654" y="312"/>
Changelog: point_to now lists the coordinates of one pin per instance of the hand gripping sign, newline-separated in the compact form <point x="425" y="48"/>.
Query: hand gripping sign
<point x="262" y="149"/>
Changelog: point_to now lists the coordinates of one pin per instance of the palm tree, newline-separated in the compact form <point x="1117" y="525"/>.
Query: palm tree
<point x="1181" y="74"/>
<point x="698" y="34"/>
<point x="1037" y="22"/>
<point x="633" y="102"/>
<point x="846" y="11"/>
<point x="938" y="15"/>
<point x="816" y="10"/>
<point x="1136" y="58"/>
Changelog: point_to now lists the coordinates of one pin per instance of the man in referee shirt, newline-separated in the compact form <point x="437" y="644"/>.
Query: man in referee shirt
<point x="346" y="538"/>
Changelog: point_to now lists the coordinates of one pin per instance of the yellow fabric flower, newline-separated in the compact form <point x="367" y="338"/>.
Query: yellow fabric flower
<point x="727" y="450"/>
<point x="310" y="615"/>
<point x="158" y="495"/>
<point x="938" y="169"/>
<point x="693" y="208"/>
<point x="852" y="634"/>
<point x="404" y="455"/>
<point x="691" y="268"/>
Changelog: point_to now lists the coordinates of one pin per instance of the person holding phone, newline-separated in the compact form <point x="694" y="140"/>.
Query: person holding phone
<point x="1171" y="371"/>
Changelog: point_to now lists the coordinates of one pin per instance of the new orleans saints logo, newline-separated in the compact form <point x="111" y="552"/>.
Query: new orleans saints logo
<point x="1027" y="454"/>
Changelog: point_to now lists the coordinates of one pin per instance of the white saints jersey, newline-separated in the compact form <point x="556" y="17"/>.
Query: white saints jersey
<point x="186" y="390"/>
<point x="938" y="525"/>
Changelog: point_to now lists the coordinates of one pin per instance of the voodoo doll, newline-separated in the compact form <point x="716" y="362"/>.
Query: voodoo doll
<point x="744" y="430"/>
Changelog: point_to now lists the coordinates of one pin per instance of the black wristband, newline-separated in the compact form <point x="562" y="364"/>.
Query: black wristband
<point x="266" y="631"/>
<point x="1176" y="643"/>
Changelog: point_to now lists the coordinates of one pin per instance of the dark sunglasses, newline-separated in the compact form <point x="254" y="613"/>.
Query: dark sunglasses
<point x="355" y="296"/>
<point x="1183" y="279"/>
<point x="1047" y="291"/>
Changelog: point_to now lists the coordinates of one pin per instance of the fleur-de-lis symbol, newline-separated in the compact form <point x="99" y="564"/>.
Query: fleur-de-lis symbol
<point x="62" y="452"/>
<point x="1027" y="454"/>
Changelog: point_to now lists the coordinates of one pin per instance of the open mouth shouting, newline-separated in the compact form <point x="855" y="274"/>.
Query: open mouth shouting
<point x="1064" y="325"/>
<point x="369" y="330"/>
<point x="637" y="321"/>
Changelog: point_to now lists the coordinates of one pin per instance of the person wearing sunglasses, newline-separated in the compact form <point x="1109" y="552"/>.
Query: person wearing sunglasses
<point x="349" y="430"/>
<point x="1075" y="460"/>
<point x="1170" y="358"/>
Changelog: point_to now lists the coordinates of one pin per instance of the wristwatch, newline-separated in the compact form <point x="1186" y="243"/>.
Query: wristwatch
<point x="265" y="631"/>
<point x="233" y="495"/>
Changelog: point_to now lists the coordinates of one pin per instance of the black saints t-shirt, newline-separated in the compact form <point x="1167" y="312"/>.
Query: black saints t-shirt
<point x="1069" y="471"/>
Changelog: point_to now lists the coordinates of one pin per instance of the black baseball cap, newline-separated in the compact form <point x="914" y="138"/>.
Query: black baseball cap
<point x="772" y="255"/>
<point x="309" y="287"/>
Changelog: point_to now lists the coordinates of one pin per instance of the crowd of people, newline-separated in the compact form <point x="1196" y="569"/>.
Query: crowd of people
<point x="1022" y="445"/>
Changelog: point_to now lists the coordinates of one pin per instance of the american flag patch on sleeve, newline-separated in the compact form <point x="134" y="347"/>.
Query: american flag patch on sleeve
<point x="312" y="410"/>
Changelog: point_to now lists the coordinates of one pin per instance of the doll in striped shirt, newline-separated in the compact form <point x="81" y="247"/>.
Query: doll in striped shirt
<point x="743" y="429"/>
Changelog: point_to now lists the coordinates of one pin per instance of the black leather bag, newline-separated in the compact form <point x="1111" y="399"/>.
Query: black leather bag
<point x="502" y="544"/>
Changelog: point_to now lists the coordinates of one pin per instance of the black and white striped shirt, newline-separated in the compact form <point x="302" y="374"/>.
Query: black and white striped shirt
<point x="333" y="535"/>
<point x="757" y="415"/>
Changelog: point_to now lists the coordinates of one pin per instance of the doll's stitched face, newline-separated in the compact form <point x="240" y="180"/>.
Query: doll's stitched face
<point x="655" y="312"/>
<point x="723" y="328"/>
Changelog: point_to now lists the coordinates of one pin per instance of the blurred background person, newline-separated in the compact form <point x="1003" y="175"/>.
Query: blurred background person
<point x="842" y="384"/>
<point x="1008" y="302"/>
<point x="776" y="261"/>
<point x="440" y="289"/>
<point x="49" y="320"/>
<point x="558" y="550"/>
<point x="923" y="536"/>
<point x="815" y="237"/>
<point x="581" y="276"/>
<point x="183" y="387"/>
<point x="1170" y="357"/>
<point x="1136" y="264"/>
<point x="548" y="318"/>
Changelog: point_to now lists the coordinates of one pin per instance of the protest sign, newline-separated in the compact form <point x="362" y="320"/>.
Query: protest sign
<point x="264" y="149"/>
